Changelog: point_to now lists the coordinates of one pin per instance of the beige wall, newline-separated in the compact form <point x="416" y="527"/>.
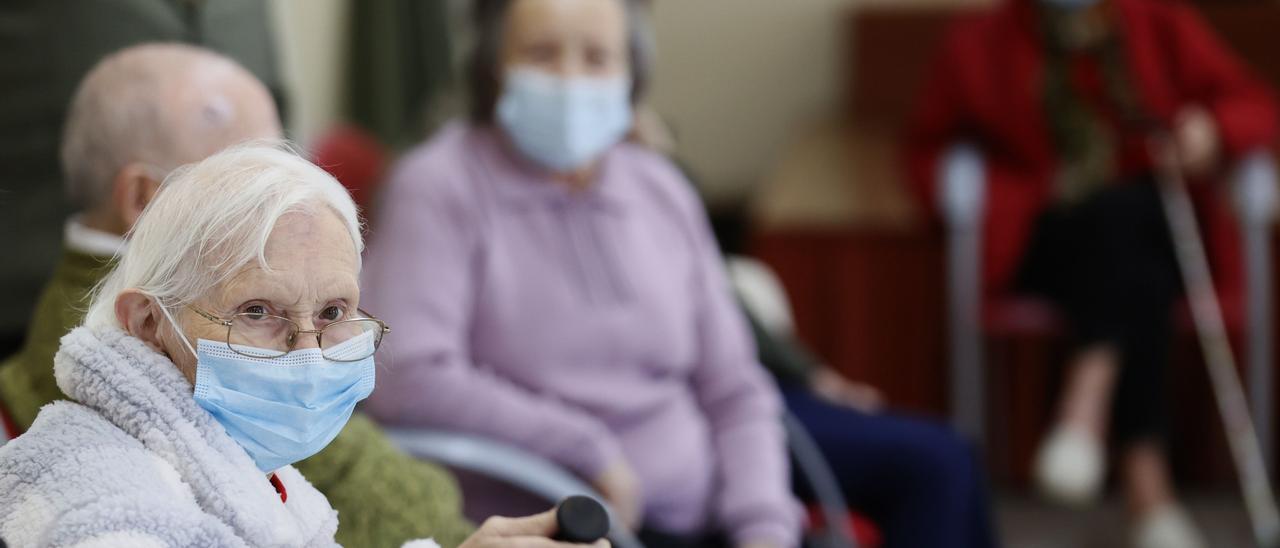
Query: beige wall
<point x="737" y="79"/>
<point x="312" y="43"/>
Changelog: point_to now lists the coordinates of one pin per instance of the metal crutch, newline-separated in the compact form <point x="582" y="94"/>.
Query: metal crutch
<point x="1206" y="313"/>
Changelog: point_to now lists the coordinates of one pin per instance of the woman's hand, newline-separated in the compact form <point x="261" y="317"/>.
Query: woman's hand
<point x="833" y="387"/>
<point x="620" y="488"/>
<point x="531" y="532"/>
<point x="1195" y="133"/>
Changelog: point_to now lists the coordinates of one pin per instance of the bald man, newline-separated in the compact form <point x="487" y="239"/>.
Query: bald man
<point x="139" y="114"/>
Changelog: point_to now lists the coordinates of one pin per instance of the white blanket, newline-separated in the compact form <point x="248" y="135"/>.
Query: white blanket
<point x="137" y="463"/>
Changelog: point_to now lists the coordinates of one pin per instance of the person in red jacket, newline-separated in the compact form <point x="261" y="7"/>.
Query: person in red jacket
<point x="1062" y="97"/>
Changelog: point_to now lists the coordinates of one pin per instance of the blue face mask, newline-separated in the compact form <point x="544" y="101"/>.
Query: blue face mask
<point x="282" y="410"/>
<point x="563" y="123"/>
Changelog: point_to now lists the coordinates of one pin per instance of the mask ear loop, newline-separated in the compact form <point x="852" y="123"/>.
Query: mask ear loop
<point x="165" y="310"/>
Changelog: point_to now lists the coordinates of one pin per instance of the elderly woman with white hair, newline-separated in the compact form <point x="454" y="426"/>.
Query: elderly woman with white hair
<point x="226" y="345"/>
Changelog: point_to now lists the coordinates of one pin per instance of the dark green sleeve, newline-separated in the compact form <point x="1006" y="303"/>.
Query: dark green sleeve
<point x="26" y="378"/>
<point x="785" y="358"/>
<point x="383" y="496"/>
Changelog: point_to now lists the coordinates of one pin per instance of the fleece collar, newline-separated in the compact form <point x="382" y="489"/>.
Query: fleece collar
<point x="143" y="393"/>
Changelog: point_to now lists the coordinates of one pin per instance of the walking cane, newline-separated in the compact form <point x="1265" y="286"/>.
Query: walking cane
<point x="1206" y="313"/>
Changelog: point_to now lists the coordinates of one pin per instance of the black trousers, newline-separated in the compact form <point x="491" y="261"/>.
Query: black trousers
<point x="1108" y="263"/>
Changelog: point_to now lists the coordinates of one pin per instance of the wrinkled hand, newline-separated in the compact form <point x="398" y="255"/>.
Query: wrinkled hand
<point x="620" y="488"/>
<point x="833" y="387"/>
<point x="1195" y="134"/>
<point x="531" y="532"/>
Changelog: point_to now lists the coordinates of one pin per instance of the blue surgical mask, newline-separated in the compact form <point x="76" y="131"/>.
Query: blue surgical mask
<point x="563" y="123"/>
<point x="285" y="409"/>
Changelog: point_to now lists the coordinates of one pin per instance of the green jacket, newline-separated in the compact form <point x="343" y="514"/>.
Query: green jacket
<point x="383" y="496"/>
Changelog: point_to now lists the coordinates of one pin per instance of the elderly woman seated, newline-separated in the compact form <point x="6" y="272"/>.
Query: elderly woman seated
<point x="226" y="345"/>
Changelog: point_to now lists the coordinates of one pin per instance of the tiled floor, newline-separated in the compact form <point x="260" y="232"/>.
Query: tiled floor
<point x="1029" y="523"/>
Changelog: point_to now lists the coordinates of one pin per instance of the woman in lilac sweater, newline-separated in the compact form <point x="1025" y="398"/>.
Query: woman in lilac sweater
<point x="559" y="289"/>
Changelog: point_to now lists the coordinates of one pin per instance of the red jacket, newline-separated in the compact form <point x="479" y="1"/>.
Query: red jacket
<point x="985" y="88"/>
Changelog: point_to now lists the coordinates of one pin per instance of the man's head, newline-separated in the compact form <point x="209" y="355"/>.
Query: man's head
<point x="150" y="108"/>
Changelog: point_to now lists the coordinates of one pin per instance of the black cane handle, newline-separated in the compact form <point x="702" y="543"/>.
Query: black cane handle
<point x="581" y="520"/>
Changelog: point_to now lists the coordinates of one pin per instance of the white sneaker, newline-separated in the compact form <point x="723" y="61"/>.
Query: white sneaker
<point x="1071" y="466"/>
<point x="1168" y="526"/>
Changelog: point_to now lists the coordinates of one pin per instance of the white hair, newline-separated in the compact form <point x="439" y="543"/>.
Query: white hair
<point x="211" y="219"/>
<point x="163" y="104"/>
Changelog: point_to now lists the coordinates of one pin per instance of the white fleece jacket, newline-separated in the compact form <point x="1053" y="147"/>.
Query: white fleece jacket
<point x="137" y="463"/>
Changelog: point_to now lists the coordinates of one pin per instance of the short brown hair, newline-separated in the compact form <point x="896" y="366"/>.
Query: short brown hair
<point x="483" y="85"/>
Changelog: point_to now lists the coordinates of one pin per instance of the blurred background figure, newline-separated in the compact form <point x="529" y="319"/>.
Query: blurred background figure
<point x="899" y="471"/>
<point x="565" y="294"/>
<point x="138" y="115"/>
<point x="1062" y="98"/>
